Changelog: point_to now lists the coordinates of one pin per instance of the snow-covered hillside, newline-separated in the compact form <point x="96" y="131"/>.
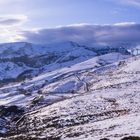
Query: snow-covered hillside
<point x="19" y="60"/>
<point x="68" y="91"/>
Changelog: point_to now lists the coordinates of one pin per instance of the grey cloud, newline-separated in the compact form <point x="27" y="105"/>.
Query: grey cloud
<point x="88" y="34"/>
<point x="8" y="21"/>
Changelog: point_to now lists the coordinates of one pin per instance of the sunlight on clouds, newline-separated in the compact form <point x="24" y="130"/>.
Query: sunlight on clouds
<point x="9" y="34"/>
<point x="124" y="23"/>
<point x="10" y="26"/>
<point x="16" y="37"/>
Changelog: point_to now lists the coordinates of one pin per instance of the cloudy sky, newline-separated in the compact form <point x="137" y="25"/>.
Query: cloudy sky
<point x="35" y="20"/>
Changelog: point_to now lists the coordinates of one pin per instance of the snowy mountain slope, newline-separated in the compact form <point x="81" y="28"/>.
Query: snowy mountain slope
<point x="79" y="94"/>
<point x="63" y="80"/>
<point x="26" y="58"/>
<point x="111" y="110"/>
